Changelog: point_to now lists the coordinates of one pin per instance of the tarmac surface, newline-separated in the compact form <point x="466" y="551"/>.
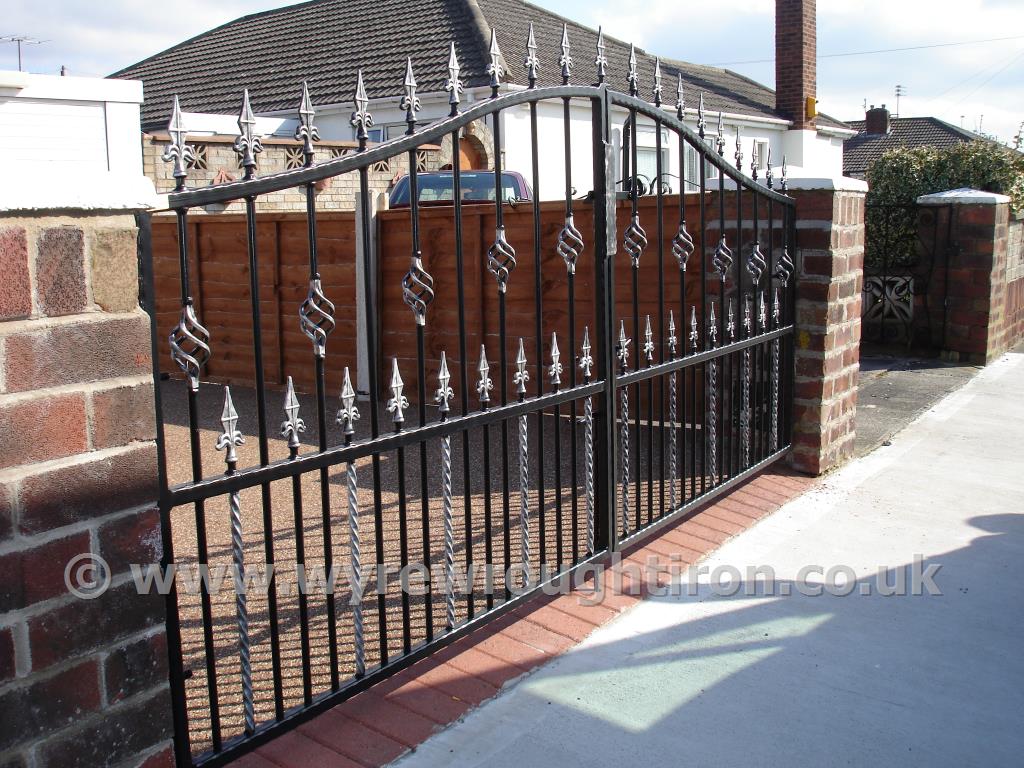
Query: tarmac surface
<point x="778" y="677"/>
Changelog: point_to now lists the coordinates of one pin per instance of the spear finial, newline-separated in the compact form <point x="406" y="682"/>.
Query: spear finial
<point x="485" y="385"/>
<point x="178" y="152"/>
<point x="453" y="85"/>
<point x="671" y="333"/>
<point x="410" y="101"/>
<point x="306" y="132"/>
<point x="247" y="145"/>
<point x="565" y="60"/>
<point x="496" y="67"/>
<point x="555" y="371"/>
<point x="348" y="414"/>
<point x="633" y="76"/>
<point x="624" y="342"/>
<point x="680" y="98"/>
<point x="657" y="82"/>
<point x="521" y="376"/>
<point x="292" y="425"/>
<point x="648" y="341"/>
<point x="694" y="337"/>
<point x="444" y="391"/>
<point x="230" y="437"/>
<point x="586" y="359"/>
<point x="532" y="63"/>
<point x="702" y="121"/>
<point x="398" y="402"/>
<point x="361" y="118"/>
<point x="601" y="62"/>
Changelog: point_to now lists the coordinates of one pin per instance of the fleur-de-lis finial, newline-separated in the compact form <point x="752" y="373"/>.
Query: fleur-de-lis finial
<point x="361" y="118"/>
<point x="739" y="151"/>
<point x="601" y="62"/>
<point x="721" y="135"/>
<point x="398" y="402"/>
<point x="565" y="60"/>
<point x="531" y="63"/>
<point x="753" y="161"/>
<point x="444" y="391"/>
<point x="485" y="385"/>
<point x="496" y="67"/>
<point x="632" y="76"/>
<point x="657" y="82"/>
<point x="306" y="132"/>
<point x="768" y="169"/>
<point x="730" y="322"/>
<point x="178" y="152"/>
<point x="671" y="334"/>
<point x="762" y="318"/>
<point x="292" y="425"/>
<point x="783" y="183"/>
<point x="230" y="437"/>
<point x="694" y="337"/>
<point x="624" y="342"/>
<point x="453" y="84"/>
<point x="702" y="120"/>
<point x="247" y="145"/>
<point x="555" y="371"/>
<point x="648" y="341"/>
<point x="410" y="102"/>
<point x="713" y="327"/>
<point x="348" y="415"/>
<point x="680" y="97"/>
<point x="586" y="359"/>
<point x="747" y="320"/>
<point x="521" y="376"/>
<point x="776" y="310"/>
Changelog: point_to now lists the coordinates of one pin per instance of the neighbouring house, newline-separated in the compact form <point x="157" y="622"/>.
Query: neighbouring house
<point x="326" y="42"/>
<point x="879" y="132"/>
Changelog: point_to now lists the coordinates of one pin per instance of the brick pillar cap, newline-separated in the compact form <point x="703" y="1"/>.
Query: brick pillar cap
<point x="832" y="183"/>
<point x="963" y="196"/>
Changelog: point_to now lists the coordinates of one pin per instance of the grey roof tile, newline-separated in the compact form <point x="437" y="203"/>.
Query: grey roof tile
<point x="860" y="151"/>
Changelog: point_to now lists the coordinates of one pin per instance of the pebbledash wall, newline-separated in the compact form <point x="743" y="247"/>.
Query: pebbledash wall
<point x="978" y="246"/>
<point x="83" y="682"/>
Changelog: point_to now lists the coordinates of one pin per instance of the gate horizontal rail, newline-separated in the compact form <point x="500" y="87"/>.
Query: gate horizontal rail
<point x="528" y="462"/>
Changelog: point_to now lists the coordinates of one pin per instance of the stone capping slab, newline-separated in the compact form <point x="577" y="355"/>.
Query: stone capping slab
<point x="963" y="196"/>
<point x="92" y="193"/>
<point x="831" y="183"/>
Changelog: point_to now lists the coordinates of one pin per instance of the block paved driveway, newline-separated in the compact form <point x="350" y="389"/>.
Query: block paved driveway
<point x="929" y="680"/>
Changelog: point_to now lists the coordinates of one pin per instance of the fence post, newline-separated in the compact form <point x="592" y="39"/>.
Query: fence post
<point x="366" y="242"/>
<point x="829" y="221"/>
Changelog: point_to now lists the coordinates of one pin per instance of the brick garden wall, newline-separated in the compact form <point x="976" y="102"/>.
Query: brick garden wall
<point x="82" y="682"/>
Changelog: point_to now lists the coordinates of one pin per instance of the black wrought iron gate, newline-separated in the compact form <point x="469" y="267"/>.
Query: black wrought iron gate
<point x="366" y="541"/>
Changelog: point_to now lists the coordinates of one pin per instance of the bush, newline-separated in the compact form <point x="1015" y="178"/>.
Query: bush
<point x="902" y="175"/>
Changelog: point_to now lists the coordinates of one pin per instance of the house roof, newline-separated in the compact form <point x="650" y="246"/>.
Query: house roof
<point x="860" y="151"/>
<point x="325" y="42"/>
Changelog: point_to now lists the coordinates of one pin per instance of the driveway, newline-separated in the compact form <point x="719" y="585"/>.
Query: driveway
<point x="799" y="680"/>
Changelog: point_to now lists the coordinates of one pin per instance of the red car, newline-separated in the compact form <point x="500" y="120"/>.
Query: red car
<point x="436" y="188"/>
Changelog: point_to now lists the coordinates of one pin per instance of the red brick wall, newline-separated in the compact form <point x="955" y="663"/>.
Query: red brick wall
<point x="82" y="682"/>
<point x="796" y="50"/>
<point x="830" y="269"/>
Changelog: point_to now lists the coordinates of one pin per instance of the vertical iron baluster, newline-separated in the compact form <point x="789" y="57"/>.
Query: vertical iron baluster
<point x="189" y="344"/>
<point x="703" y="172"/>
<point x="247" y="146"/>
<point x="532" y="64"/>
<point x="501" y="260"/>
<point x="483" y="388"/>
<point x="745" y="393"/>
<point x="559" y="527"/>
<point x="316" y="318"/>
<point x="623" y="354"/>
<point x="362" y="120"/>
<point x="661" y="302"/>
<point x="418" y="292"/>
<point x="519" y="378"/>
<point x="712" y="400"/>
<point x="682" y="249"/>
<point x="570" y="246"/>
<point x="586" y="363"/>
<point x="722" y="262"/>
<point x="454" y="87"/>
<point x="396" y="406"/>
<point x="673" y="468"/>
<point x="729" y="405"/>
<point x="773" y="427"/>
<point x="694" y="379"/>
<point x="227" y="441"/>
<point x="649" y="360"/>
<point x="290" y="429"/>
<point x="347" y="417"/>
<point x="443" y="394"/>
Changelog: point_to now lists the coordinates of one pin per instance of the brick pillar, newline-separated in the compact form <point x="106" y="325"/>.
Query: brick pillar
<point x="830" y="277"/>
<point x="82" y="681"/>
<point x="973" y="300"/>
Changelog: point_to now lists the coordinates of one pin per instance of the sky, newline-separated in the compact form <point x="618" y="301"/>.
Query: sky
<point x="977" y="83"/>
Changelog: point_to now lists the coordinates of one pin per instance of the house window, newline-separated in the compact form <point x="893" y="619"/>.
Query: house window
<point x="693" y="169"/>
<point x="762" y="154"/>
<point x="647" y="165"/>
<point x="381" y="133"/>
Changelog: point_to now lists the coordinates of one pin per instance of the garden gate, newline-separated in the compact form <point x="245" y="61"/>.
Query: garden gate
<point x="590" y="406"/>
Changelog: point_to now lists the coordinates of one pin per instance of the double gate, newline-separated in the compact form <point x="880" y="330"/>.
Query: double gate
<point x="621" y="373"/>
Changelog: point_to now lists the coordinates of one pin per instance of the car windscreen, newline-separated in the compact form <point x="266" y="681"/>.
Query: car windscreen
<point x="438" y="187"/>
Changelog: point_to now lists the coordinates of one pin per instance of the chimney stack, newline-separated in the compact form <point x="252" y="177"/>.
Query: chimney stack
<point x="876" y="120"/>
<point x="796" y="51"/>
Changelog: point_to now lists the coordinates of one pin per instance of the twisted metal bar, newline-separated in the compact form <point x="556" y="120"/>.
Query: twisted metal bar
<point x="586" y="363"/>
<point x="524" y="496"/>
<point x="774" y="429"/>
<point x="623" y="353"/>
<point x="347" y="417"/>
<point x="443" y="394"/>
<point x="712" y="394"/>
<point x="673" y="469"/>
<point x="745" y="395"/>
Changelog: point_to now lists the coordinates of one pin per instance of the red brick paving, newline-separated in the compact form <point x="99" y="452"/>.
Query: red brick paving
<point x="379" y="725"/>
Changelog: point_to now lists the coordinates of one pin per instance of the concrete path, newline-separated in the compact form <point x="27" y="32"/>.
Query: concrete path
<point x="929" y="680"/>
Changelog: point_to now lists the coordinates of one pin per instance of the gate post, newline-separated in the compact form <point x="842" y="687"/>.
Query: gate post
<point x="604" y="300"/>
<point x="830" y="278"/>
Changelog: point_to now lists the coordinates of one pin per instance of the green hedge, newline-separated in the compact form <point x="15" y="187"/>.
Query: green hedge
<point x="902" y="175"/>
